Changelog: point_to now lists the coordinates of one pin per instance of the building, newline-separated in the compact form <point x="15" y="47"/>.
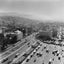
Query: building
<point x="44" y="35"/>
<point x="19" y="34"/>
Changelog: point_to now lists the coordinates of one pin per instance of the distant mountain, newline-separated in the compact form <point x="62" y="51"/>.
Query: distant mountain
<point x="24" y="19"/>
<point x="17" y="19"/>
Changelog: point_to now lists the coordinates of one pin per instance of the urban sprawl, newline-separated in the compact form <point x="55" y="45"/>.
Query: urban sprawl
<point x="38" y="43"/>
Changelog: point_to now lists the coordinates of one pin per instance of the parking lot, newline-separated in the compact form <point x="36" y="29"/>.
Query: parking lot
<point x="50" y="54"/>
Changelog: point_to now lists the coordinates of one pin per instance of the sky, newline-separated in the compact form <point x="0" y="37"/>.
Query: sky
<point x="36" y="9"/>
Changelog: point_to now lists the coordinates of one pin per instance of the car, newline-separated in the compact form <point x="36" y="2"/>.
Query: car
<point x="25" y="55"/>
<point x="28" y="43"/>
<point x="27" y="60"/>
<point x="4" y="60"/>
<point x="40" y="44"/>
<point x="37" y="49"/>
<point x="34" y="60"/>
<point x="47" y="51"/>
<point x="31" y="56"/>
<point x="34" y="52"/>
<point x="39" y="54"/>
<point x="17" y="55"/>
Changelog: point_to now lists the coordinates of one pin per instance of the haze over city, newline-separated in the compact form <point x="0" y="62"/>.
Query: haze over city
<point x="31" y="31"/>
<point x="35" y="9"/>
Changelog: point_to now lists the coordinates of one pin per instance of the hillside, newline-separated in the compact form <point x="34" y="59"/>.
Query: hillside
<point x="17" y="19"/>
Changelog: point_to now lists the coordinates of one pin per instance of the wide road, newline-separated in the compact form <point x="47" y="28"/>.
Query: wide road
<point x="47" y="55"/>
<point x="16" y="50"/>
<point x="17" y="45"/>
<point x="20" y="50"/>
<point x="21" y="58"/>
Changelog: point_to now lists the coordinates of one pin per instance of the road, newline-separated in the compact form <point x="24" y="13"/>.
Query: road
<point x="48" y="57"/>
<point x="26" y="54"/>
<point x="48" y="53"/>
<point x="10" y="54"/>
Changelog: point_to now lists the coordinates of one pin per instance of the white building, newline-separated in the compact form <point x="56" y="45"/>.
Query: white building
<point x="19" y="34"/>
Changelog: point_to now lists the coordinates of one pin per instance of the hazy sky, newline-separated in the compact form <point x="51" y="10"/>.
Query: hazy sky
<point x="37" y="9"/>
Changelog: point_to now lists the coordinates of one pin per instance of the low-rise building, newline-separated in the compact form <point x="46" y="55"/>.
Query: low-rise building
<point x="19" y="34"/>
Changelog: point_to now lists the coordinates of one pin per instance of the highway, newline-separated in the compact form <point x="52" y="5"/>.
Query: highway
<point x="10" y="54"/>
<point x="34" y="51"/>
<point x="47" y="56"/>
<point x="17" y="45"/>
<point x="26" y="54"/>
